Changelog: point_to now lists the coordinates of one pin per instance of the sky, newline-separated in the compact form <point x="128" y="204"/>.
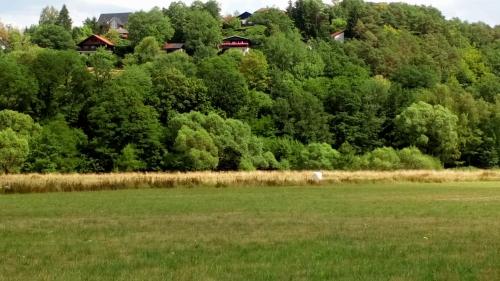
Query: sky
<point x="23" y="13"/>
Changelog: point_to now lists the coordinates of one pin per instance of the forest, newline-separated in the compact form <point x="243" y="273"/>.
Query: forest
<point x="408" y="89"/>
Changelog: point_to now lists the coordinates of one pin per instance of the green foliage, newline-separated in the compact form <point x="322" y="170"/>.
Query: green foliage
<point x="433" y="129"/>
<point x="56" y="148"/>
<point x="20" y="123"/>
<point x="49" y="15"/>
<point x="129" y="161"/>
<point x="14" y="150"/>
<point x="147" y="50"/>
<point x="102" y="61"/>
<point x="63" y="19"/>
<point x="201" y="30"/>
<point x="53" y="36"/>
<point x="175" y="92"/>
<point x="227" y="87"/>
<point x="404" y="77"/>
<point x="18" y="86"/>
<point x="153" y="23"/>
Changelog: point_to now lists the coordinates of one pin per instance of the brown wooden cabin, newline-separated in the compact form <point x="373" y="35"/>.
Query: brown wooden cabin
<point x="236" y="42"/>
<point x="93" y="42"/>
<point x="173" y="47"/>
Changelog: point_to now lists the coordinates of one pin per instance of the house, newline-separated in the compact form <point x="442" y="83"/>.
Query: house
<point x="338" y="36"/>
<point x="236" y="42"/>
<point x="116" y="21"/>
<point x="93" y="42"/>
<point x="244" y="18"/>
<point x="173" y="47"/>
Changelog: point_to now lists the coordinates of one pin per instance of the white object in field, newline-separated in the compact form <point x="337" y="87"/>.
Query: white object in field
<point x="317" y="176"/>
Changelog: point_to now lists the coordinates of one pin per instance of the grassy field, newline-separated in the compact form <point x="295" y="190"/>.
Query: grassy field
<point x="411" y="231"/>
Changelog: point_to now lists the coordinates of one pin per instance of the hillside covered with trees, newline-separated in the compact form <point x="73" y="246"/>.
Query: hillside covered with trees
<point x="407" y="89"/>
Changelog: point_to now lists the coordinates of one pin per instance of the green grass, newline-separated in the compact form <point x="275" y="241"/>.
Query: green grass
<point x="348" y="232"/>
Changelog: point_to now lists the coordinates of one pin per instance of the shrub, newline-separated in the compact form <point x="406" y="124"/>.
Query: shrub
<point x="385" y="159"/>
<point x="413" y="159"/>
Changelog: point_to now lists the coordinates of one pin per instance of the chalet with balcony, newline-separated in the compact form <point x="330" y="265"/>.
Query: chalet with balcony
<point x="93" y="42"/>
<point x="236" y="42"/>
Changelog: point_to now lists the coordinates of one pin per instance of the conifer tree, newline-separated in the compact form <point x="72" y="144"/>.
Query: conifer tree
<point x="64" y="19"/>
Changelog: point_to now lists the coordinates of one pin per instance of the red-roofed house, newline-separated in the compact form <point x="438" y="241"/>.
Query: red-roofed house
<point x="93" y="42"/>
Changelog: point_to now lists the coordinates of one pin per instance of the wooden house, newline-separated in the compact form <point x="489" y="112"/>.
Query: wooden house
<point x="236" y="42"/>
<point x="93" y="42"/>
<point x="173" y="47"/>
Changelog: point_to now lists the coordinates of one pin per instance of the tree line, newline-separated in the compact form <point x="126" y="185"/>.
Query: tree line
<point x="408" y="89"/>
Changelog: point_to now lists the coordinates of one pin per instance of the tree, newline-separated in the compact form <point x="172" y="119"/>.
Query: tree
<point x="175" y="92"/>
<point x="56" y="148"/>
<point x="120" y="118"/>
<point x="49" y="15"/>
<point x="255" y="68"/>
<point x="275" y="20"/>
<point x="227" y="88"/>
<point x="53" y="36"/>
<point x="63" y="19"/>
<point x="201" y="30"/>
<point x="65" y="88"/>
<point x="92" y="24"/>
<point x="19" y="86"/>
<point x="196" y="150"/>
<point x="433" y="129"/>
<point x="102" y="61"/>
<point x="153" y="23"/>
<point x="129" y="160"/>
<point x="147" y="50"/>
<point x="178" y="13"/>
<point x="21" y="124"/>
<point x="310" y="17"/>
<point x="13" y="151"/>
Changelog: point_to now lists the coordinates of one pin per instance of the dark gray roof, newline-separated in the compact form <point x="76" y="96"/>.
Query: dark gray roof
<point x="244" y="16"/>
<point x="122" y="18"/>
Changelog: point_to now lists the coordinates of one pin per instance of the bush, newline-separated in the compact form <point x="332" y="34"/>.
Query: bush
<point x="413" y="159"/>
<point x="385" y="159"/>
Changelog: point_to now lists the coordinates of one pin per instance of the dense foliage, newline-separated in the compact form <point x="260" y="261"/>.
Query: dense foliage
<point x="407" y="89"/>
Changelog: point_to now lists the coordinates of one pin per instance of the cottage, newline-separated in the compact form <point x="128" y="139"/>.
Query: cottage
<point x="173" y="47"/>
<point x="338" y="36"/>
<point x="116" y="21"/>
<point x="236" y="42"/>
<point x="93" y="42"/>
<point x="245" y="18"/>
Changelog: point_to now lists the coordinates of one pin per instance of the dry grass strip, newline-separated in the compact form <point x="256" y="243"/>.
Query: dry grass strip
<point x="37" y="183"/>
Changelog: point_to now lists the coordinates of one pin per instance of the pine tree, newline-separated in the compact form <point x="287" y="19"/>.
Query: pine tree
<point x="63" y="19"/>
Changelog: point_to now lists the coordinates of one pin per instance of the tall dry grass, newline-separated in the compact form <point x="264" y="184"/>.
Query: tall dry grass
<point x="37" y="183"/>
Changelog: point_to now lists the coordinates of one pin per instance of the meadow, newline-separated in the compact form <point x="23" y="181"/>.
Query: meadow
<point x="336" y="231"/>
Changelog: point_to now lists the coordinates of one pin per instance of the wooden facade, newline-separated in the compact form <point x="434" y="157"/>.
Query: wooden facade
<point x="93" y="42"/>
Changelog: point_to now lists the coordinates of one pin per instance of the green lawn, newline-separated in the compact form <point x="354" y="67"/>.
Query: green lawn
<point x="348" y="232"/>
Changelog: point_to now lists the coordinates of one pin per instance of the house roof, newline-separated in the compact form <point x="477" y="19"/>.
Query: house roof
<point x="335" y="34"/>
<point x="121" y="18"/>
<point x="171" y="46"/>
<point x="100" y="38"/>
<point x="236" y="38"/>
<point x="244" y="16"/>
